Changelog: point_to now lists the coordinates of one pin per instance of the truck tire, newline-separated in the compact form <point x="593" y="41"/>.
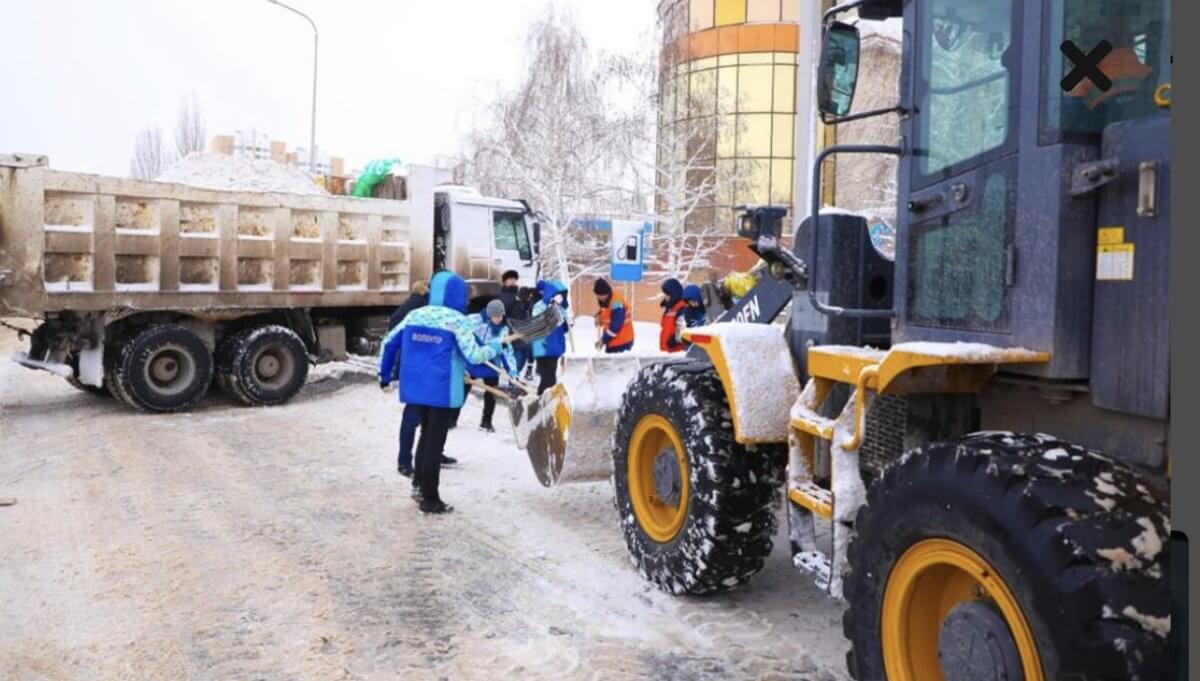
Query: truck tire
<point x="697" y="509"/>
<point x="162" y="368"/>
<point x="1037" y="556"/>
<point x="262" y="366"/>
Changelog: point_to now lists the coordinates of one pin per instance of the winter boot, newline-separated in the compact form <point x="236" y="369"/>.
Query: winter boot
<point x="435" y="507"/>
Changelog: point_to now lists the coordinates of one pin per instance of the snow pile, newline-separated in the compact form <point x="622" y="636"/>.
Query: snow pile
<point x="967" y="352"/>
<point x="220" y="171"/>
<point x="584" y="332"/>
<point x="764" y="380"/>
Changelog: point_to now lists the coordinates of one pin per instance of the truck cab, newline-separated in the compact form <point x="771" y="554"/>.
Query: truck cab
<point x="482" y="237"/>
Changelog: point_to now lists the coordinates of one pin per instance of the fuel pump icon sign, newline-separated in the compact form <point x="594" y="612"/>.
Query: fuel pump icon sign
<point x="629" y="239"/>
<point x="629" y="250"/>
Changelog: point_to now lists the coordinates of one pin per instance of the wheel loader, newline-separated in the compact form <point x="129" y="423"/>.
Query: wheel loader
<point x="971" y="441"/>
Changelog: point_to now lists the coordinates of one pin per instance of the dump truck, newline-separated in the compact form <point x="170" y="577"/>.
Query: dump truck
<point x="148" y="291"/>
<point x="971" y="440"/>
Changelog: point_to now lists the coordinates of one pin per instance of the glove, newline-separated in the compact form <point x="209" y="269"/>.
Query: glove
<point x="384" y="385"/>
<point x="600" y="344"/>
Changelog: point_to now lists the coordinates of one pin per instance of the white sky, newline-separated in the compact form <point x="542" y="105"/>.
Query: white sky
<point x="79" y="78"/>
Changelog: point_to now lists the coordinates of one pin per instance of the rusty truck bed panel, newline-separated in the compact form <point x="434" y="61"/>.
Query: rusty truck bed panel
<point x="74" y="241"/>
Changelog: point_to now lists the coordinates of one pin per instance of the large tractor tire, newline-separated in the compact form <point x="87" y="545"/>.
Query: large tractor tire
<point x="697" y="509"/>
<point x="161" y="368"/>
<point x="262" y="366"/>
<point x="1006" y="556"/>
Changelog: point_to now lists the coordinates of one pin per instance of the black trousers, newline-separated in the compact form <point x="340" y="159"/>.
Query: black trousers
<point x="489" y="400"/>
<point x="435" y="423"/>
<point x="547" y="368"/>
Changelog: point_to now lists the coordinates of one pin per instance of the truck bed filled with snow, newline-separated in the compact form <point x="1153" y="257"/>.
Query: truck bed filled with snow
<point x="220" y="171"/>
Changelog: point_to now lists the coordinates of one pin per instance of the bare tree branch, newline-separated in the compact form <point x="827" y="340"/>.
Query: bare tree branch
<point x="555" y="140"/>
<point x="150" y="156"/>
<point x="189" y="127"/>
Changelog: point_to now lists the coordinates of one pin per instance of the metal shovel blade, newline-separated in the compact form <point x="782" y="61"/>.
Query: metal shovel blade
<point x="567" y="432"/>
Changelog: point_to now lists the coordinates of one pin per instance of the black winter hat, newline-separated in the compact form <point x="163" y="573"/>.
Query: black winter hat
<point x="511" y="274"/>
<point x="601" y="288"/>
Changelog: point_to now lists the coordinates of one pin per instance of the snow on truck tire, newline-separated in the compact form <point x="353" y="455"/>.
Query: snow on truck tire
<point x="721" y="529"/>
<point x="161" y="368"/>
<point x="1078" y="541"/>
<point x="263" y="365"/>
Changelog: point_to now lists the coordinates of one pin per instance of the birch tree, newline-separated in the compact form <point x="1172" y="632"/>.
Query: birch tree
<point x="674" y="153"/>
<point x="150" y="155"/>
<point x="189" y="127"/>
<point x="555" y="141"/>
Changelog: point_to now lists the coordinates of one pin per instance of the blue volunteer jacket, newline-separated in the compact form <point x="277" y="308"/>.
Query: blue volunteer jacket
<point x="486" y="332"/>
<point x="554" y="345"/>
<point x="695" y="316"/>
<point x="436" y="342"/>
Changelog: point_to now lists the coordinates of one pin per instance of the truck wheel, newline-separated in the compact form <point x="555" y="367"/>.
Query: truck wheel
<point x="162" y="368"/>
<point x="265" y="365"/>
<point x="698" y="510"/>
<point x="112" y="353"/>
<point x="1006" y="556"/>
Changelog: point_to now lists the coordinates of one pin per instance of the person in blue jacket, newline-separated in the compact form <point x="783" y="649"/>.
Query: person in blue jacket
<point x="429" y="352"/>
<point x="548" y="350"/>
<point x="490" y="326"/>
<point x="695" y="312"/>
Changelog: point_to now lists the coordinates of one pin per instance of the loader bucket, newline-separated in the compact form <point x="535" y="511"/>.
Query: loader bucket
<point x="567" y="432"/>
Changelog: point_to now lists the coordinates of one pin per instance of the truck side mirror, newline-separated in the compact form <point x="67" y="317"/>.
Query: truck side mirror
<point x="537" y="238"/>
<point x="837" y="74"/>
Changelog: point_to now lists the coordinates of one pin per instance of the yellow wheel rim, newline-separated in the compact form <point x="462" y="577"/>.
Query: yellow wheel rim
<point x="929" y="580"/>
<point x="660" y="519"/>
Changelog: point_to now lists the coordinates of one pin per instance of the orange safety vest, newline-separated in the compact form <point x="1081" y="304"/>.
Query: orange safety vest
<point x="625" y="335"/>
<point x="666" y="334"/>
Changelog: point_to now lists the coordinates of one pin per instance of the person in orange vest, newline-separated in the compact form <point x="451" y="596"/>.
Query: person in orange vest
<point x="673" y="308"/>
<point x="616" y="333"/>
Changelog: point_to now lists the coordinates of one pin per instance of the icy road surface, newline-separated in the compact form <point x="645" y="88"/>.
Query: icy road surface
<point x="235" y="544"/>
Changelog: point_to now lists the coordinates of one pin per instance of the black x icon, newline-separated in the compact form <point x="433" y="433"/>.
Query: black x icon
<point x="1086" y="65"/>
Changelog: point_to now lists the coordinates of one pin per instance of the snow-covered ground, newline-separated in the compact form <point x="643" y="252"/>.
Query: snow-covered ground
<point x="235" y="543"/>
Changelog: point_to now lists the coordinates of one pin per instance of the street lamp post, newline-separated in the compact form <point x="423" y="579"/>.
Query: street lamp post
<point x="312" y="140"/>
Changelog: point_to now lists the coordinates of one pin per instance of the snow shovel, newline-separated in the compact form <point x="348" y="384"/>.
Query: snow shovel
<point x="567" y="431"/>
<point x="535" y="328"/>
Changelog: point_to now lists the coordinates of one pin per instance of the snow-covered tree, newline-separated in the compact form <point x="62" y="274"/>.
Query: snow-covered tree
<point x="556" y="141"/>
<point x="189" y="127"/>
<point x="674" y="154"/>
<point x="150" y="155"/>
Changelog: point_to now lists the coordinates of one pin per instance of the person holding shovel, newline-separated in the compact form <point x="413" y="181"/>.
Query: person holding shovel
<point x="490" y="327"/>
<point x="616" y="329"/>
<point x="672" y="318"/>
<point x="429" y="352"/>
<point x="548" y="350"/>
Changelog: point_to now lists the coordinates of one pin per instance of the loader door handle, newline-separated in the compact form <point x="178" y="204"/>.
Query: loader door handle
<point x="924" y="203"/>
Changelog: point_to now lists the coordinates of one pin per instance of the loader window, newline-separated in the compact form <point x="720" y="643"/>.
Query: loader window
<point x="959" y="264"/>
<point x="1139" y="63"/>
<point x="509" y="233"/>
<point x="966" y="103"/>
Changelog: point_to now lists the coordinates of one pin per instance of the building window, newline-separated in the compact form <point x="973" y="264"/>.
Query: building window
<point x="730" y="12"/>
<point x="701" y="15"/>
<point x="754" y="88"/>
<point x="763" y="10"/>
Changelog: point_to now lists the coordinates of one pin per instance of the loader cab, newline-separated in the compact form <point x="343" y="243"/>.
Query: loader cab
<point x="481" y="237"/>
<point x="1003" y="174"/>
